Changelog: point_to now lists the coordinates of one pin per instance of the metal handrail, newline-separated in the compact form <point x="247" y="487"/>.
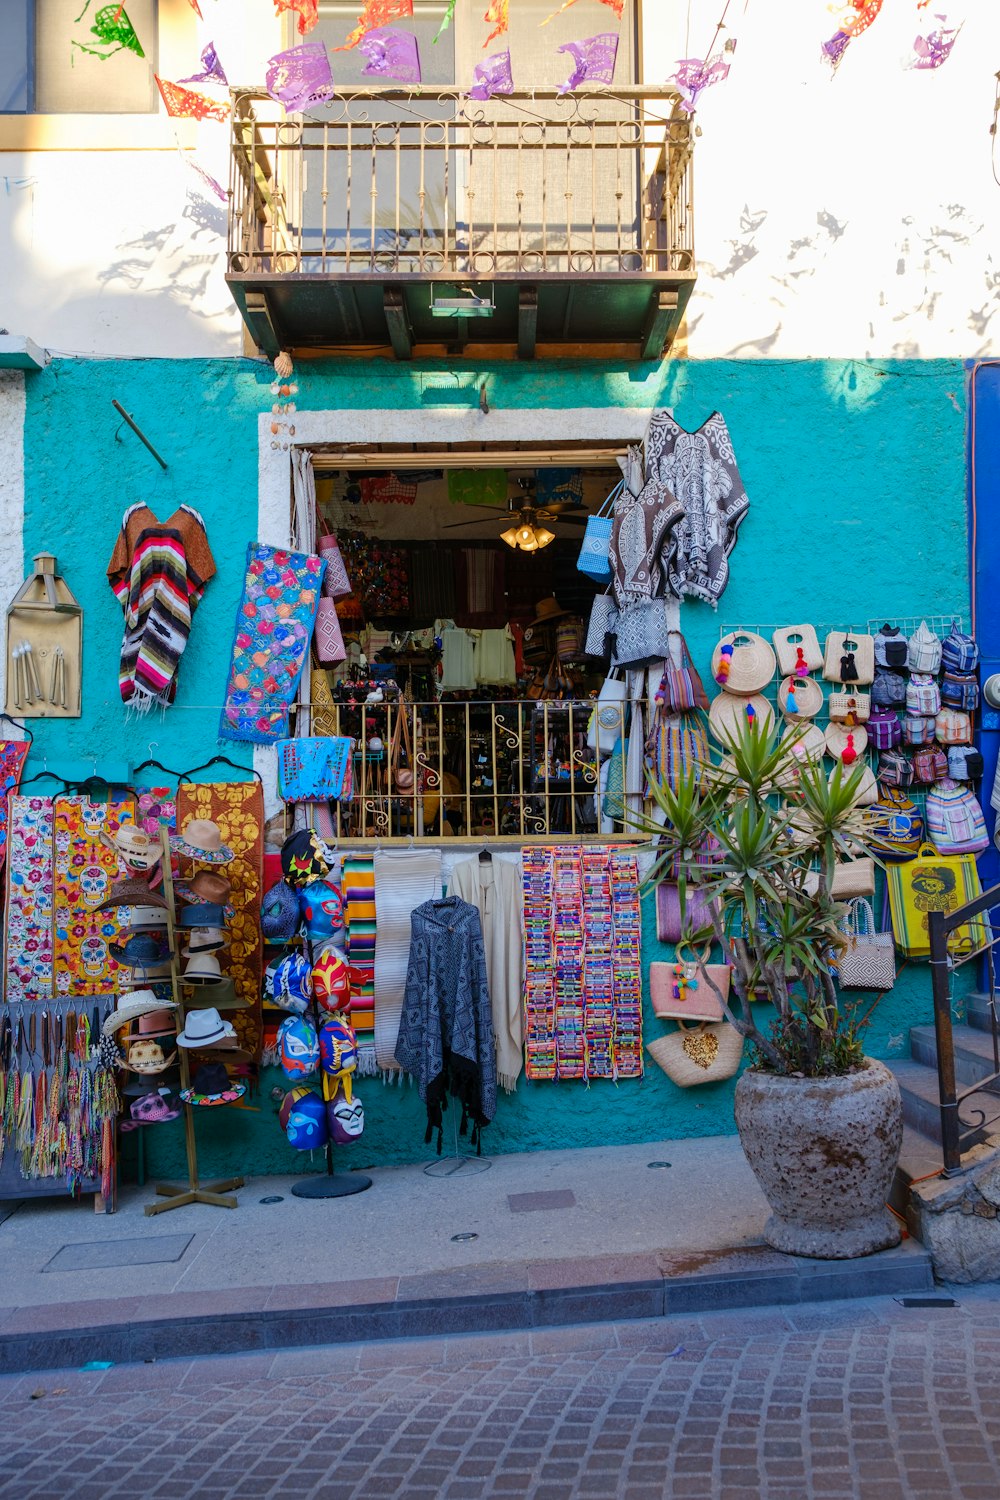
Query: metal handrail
<point x="426" y="182"/>
<point x="955" y="1130"/>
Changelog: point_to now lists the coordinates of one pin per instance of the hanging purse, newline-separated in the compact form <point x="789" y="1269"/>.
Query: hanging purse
<point x="681" y="688"/>
<point x="797" y="649"/>
<point x="593" y="559"/>
<point x="600" y="640"/>
<point x="689" y="989"/>
<point x="849" y="708"/>
<point x="705" y="1054"/>
<point x="934" y="882"/>
<point x="316" y="769"/>
<point x="336" y="584"/>
<point x="642" y="634"/>
<point x="677" y="746"/>
<point x="868" y="962"/>
<point x="608" y="720"/>
<point x="849" y="658"/>
<point x="670" y="921"/>
<point x="401" y="774"/>
<point x="328" y="639"/>
<point x="851" y="878"/>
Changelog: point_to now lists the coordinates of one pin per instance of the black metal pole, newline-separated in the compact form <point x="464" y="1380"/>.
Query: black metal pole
<point x="138" y="432"/>
<point x="937" y="927"/>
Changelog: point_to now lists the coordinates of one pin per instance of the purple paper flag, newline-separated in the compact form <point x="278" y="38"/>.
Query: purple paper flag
<point x="213" y="68"/>
<point x="932" y="48"/>
<point x="492" y="76"/>
<point x="391" y="54"/>
<point x="301" y="76"/>
<point x="593" y="60"/>
<point x="694" y="75"/>
<point x="834" y="49"/>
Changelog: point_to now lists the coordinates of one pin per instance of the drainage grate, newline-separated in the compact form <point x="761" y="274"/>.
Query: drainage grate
<point x="926" y="1301"/>
<point x="93" y="1255"/>
<point x="527" y="1203"/>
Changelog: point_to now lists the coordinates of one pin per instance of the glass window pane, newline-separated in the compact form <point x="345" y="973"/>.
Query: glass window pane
<point x="106" y="78"/>
<point x="14" y="59"/>
<point x="337" y="18"/>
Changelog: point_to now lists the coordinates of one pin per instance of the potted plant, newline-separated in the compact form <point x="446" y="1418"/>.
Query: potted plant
<point x="820" y="1123"/>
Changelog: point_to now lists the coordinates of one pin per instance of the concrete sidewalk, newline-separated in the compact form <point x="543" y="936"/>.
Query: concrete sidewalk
<point x="544" y="1237"/>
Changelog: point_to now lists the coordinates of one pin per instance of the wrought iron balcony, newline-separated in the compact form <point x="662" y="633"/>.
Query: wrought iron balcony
<point x="426" y="223"/>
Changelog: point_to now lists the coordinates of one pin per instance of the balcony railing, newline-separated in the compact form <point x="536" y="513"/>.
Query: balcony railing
<point x="517" y="770"/>
<point x="429" y="189"/>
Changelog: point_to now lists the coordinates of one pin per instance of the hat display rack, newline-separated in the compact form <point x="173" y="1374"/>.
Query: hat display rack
<point x="189" y="997"/>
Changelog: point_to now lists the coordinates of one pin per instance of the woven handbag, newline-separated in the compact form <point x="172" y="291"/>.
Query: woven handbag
<point x="852" y="877"/>
<point x="336" y="584"/>
<point x="328" y="639"/>
<point x="868" y="962"/>
<point x="600" y="640"/>
<point x="642" y="634"/>
<point x="689" y="990"/>
<point x="569" y="639"/>
<point x="670" y="921"/>
<point x="850" y="708"/>
<point x="315" y="769"/>
<point x="849" y="657"/>
<point x="681" y="688"/>
<point x="934" y="882"/>
<point x="610" y="716"/>
<point x="677" y="745"/>
<point x="707" y="1054"/>
<point x="797" y="649"/>
<point x="593" y="559"/>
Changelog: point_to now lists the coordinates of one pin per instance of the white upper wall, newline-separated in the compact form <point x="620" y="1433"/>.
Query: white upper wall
<point x="848" y="216"/>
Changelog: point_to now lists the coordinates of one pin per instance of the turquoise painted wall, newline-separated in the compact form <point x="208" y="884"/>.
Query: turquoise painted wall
<point x="856" y="476"/>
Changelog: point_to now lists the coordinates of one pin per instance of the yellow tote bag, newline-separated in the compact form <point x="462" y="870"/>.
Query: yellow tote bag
<point x="933" y="882"/>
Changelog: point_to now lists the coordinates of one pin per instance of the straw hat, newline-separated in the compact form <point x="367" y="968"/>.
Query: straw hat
<point x="134" y="847"/>
<point x="549" y="609"/>
<point x="808" y="696"/>
<point x="836" y="739"/>
<point x="727" y="712"/>
<point x="147" y="1056"/>
<point x="751" y="664"/>
<point x="202" y="968"/>
<point x="131" y="1006"/>
<point x="131" y="892"/>
<point x="201" y="840"/>
<point x="143" y="919"/>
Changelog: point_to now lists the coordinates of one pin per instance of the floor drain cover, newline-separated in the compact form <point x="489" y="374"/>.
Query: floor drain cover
<point x="927" y="1302"/>
<point x="274" y="1198"/>
<point x="93" y="1255"/>
<point x="659" y="1164"/>
<point x="465" y="1235"/>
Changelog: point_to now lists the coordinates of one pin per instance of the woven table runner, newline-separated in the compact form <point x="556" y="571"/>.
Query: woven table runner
<point x="238" y="808"/>
<point x="404" y="880"/>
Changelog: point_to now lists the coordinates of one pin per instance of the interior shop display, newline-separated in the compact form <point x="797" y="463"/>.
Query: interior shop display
<point x="582" y="988"/>
<point x="446" y="1027"/>
<point x="404" y="881"/>
<point x="158" y="572"/>
<point x="274" y="625"/>
<point x="493" y="886"/>
<point x="44" y="646"/>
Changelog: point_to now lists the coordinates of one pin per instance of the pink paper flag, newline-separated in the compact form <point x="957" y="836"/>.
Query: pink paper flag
<point x="391" y="54"/>
<point x="300" y="76"/>
<point x="593" y="60"/>
<point x="189" y="104"/>
<point x="492" y="76"/>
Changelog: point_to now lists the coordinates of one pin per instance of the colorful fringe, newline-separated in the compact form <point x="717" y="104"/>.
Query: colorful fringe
<point x="358" y="886"/>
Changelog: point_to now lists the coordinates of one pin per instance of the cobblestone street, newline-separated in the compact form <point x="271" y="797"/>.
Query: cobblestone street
<point x="863" y="1399"/>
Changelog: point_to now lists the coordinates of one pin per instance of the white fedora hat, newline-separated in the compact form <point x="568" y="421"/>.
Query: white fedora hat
<point x="202" y="968"/>
<point x="205" y="1028"/>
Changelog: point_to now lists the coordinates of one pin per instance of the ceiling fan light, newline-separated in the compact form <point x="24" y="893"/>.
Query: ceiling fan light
<point x="531" y="546"/>
<point x="543" y="537"/>
<point x="509" y="536"/>
<point x="525" y="534"/>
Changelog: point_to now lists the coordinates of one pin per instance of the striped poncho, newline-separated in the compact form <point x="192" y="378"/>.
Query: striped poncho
<point x="158" y="572"/>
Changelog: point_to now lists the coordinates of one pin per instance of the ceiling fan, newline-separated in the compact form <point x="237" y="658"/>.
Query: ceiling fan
<point x="528" y="530"/>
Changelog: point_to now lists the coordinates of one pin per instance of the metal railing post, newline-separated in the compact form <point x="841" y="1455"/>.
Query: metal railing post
<point x="937" y="927"/>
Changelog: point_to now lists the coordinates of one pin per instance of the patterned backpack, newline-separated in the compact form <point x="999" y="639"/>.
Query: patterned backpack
<point x="959" y="652"/>
<point x="965" y="763"/>
<point x="918" y="730"/>
<point x="895" y="827"/>
<point x="955" y="822"/>
<point x="894" y="768"/>
<point x="890" y="647"/>
<point x="953" y="727"/>
<point x="922" y="695"/>
<point x="959" y="692"/>
<point x="884" y="729"/>
<point x="929" y="764"/>
<point x="923" y="650"/>
<point x="888" y="690"/>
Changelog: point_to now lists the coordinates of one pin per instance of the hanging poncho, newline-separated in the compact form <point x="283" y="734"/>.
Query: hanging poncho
<point x="158" y="572"/>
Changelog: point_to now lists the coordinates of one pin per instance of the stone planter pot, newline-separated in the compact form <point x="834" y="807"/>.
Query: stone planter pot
<point x="824" y="1151"/>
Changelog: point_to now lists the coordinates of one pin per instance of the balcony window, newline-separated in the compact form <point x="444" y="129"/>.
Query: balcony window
<point x="43" y="72"/>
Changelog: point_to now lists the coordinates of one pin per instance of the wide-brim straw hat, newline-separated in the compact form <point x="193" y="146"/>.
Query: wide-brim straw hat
<point x="727" y="712"/>
<point x="808" y="697"/>
<point x="205" y="940"/>
<point x="134" y="891"/>
<point x="752" y="663"/>
<point x="836" y="739"/>
<point x="201" y="840"/>
<point x="134" y="846"/>
<point x="131" y="1006"/>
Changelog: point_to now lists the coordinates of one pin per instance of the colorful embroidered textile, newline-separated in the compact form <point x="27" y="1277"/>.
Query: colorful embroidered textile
<point x="300" y="77"/>
<point x="376" y="13"/>
<point x="84" y="871"/>
<point x="387" y="489"/>
<point x="379" y="573"/>
<point x="583" y="986"/>
<point x="358" y="887"/>
<point x="404" y="880"/>
<point x="238" y="808"/>
<point x="274" y="625"/>
<point x="189" y="103"/>
<point x="12" y="758"/>
<point x="158" y="572"/>
<point x="29" y="899"/>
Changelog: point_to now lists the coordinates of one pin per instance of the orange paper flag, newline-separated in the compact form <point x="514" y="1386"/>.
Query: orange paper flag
<point x="375" y="13"/>
<point x="498" y="11"/>
<point x="616" y="5"/>
<point x="189" y="104"/>
<point x="307" y="11"/>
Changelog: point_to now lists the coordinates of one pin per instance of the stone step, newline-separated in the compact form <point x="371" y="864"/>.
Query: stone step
<point x="919" y="1160"/>
<point x="973" y="1052"/>
<point x="977" y="1010"/>
<point x="918" y="1086"/>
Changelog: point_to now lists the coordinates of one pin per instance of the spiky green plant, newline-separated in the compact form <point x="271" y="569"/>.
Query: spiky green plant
<point x="779" y="829"/>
